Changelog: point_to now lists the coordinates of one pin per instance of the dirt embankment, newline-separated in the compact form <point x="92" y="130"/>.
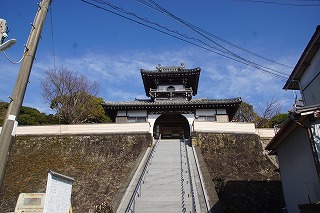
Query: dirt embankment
<point x="98" y="163"/>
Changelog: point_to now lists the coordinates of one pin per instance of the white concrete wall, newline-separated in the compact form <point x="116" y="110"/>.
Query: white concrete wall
<point x="298" y="173"/>
<point x="84" y="129"/>
<point x="228" y="127"/>
<point x="142" y="127"/>
<point x="190" y="118"/>
<point x="152" y="119"/>
<point x="221" y="111"/>
<point x="222" y="118"/>
<point x="310" y="91"/>
<point x="265" y="132"/>
<point x="122" y="113"/>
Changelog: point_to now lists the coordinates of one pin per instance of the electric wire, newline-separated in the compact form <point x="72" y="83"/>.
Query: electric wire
<point x="264" y="69"/>
<point x="195" y="29"/>
<point x="221" y="48"/>
<point x="254" y="65"/>
<point x="154" y="23"/>
<point x="163" y="11"/>
<point x="282" y="4"/>
<point x="14" y="62"/>
<point x="99" y="7"/>
<point x="52" y="38"/>
<point x="157" y="7"/>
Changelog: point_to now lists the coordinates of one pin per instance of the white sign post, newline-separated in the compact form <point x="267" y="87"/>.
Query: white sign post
<point x="58" y="193"/>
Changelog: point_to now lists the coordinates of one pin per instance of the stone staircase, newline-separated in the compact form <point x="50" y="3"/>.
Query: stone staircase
<point x="161" y="190"/>
<point x="165" y="187"/>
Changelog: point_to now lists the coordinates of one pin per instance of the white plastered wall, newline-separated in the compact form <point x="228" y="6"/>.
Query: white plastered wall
<point x="190" y="118"/>
<point x="152" y="119"/>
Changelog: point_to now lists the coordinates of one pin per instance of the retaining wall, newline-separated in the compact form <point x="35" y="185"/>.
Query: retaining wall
<point x="99" y="164"/>
<point x="245" y="179"/>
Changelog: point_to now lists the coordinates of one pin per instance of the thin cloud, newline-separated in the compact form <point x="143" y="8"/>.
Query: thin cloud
<point x="120" y="80"/>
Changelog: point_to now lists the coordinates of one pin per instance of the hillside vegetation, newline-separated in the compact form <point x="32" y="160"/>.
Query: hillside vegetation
<point x="33" y="117"/>
<point x="29" y="116"/>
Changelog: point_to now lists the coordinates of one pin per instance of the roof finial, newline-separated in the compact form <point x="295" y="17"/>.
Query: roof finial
<point x="159" y="67"/>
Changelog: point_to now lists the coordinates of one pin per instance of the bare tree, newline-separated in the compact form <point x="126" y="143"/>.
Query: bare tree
<point x="272" y="109"/>
<point x="264" y="119"/>
<point x="72" y="96"/>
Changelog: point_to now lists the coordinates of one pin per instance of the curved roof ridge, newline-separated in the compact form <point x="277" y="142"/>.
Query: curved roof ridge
<point x="170" y="69"/>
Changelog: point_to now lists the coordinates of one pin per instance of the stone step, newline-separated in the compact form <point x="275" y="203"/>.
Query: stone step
<point x="166" y="206"/>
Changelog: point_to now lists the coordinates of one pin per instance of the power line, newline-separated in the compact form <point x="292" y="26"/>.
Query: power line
<point x="52" y="37"/>
<point x="152" y="4"/>
<point x="153" y="23"/>
<point x="270" y="71"/>
<point x="14" y="62"/>
<point x="282" y="4"/>
<point x="200" y="31"/>
<point x="138" y="22"/>
<point x="222" y="53"/>
<point x="157" y="7"/>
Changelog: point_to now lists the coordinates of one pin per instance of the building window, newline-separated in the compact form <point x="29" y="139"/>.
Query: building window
<point x="206" y="118"/>
<point x="314" y="137"/>
<point x="211" y="118"/>
<point x="136" y="119"/>
<point x="121" y="119"/>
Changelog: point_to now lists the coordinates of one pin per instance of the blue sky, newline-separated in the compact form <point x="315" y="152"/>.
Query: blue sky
<point x="111" y="50"/>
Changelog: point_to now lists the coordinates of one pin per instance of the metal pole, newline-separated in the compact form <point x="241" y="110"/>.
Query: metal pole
<point x="10" y="122"/>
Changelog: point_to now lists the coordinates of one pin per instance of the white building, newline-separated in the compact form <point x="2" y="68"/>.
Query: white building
<point x="297" y="144"/>
<point x="170" y="108"/>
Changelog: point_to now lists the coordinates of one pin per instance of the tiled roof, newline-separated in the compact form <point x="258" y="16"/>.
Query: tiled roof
<point x="169" y="70"/>
<point x="231" y="105"/>
<point x="167" y="75"/>
<point x="199" y="101"/>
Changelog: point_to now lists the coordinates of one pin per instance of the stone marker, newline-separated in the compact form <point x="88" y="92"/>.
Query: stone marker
<point x="58" y="193"/>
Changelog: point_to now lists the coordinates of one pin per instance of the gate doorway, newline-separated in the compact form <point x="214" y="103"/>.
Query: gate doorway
<point x="171" y="125"/>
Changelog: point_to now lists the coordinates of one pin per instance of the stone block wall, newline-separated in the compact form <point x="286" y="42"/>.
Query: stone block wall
<point x="100" y="165"/>
<point x="245" y="179"/>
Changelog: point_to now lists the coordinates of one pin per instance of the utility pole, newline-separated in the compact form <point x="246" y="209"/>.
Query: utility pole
<point x="10" y="123"/>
